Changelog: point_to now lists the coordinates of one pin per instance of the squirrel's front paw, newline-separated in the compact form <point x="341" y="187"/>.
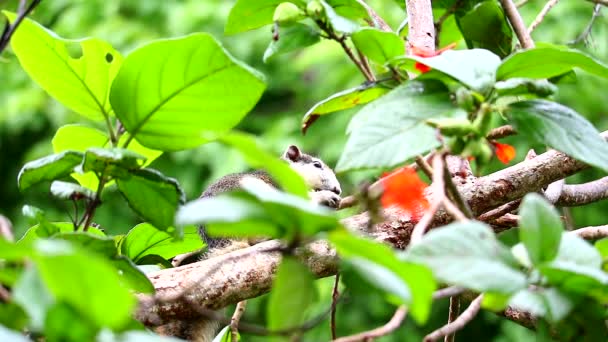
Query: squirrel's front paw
<point x="326" y="198"/>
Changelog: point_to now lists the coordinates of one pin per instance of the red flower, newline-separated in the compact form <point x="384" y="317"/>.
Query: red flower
<point x="422" y="52"/>
<point x="405" y="189"/>
<point x="504" y="152"/>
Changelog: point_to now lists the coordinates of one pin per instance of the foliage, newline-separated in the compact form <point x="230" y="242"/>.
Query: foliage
<point x="179" y="93"/>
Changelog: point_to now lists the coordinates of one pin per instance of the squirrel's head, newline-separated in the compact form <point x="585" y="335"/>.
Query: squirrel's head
<point x="317" y="175"/>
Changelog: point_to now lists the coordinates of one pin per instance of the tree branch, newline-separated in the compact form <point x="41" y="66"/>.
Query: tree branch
<point x="517" y="23"/>
<point x="459" y="323"/>
<point x="421" y="25"/>
<point x="592" y="233"/>
<point x="541" y="15"/>
<point x="581" y="194"/>
<point x="386" y="329"/>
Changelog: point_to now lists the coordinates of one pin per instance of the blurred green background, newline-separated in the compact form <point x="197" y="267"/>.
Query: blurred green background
<point x="29" y="118"/>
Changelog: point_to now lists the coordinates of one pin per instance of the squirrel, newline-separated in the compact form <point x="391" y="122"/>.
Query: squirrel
<point x="324" y="190"/>
<point x="321" y="180"/>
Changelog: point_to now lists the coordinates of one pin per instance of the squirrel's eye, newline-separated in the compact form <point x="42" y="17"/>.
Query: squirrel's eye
<point x="318" y="165"/>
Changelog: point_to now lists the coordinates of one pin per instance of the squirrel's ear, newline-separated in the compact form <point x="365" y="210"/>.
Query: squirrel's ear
<point x="292" y="153"/>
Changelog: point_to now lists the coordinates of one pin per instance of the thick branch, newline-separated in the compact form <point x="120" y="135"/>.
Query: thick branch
<point x="517" y="23"/>
<point x="581" y="194"/>
<point x="421" y="25"/>
<point x="247" y="273"/>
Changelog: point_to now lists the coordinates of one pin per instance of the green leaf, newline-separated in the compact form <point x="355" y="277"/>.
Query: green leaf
<point x="11" y="335"/>
<point x="413" y="284"/>
<point x="116" y="162"/>
<point x="97" y="292"/>
<point x="561" y="128"/>
<point x="81" y="138"/>
<point x="48" y="168"/>
<point x="144" y="239"/>
<point x="152" y="196"/>
<point x="77" y="73"/>
<point x="343" y="100"/>
<point x="292" y="38"/>
<point x="293" y="291"/>
<point x="577" y="279"/>
<point x="80" y="328"/>
<point x="171" y="94"/>
<point x="576" y="250"/>
<point x="392" y="129"/>
<point x="65" y="190"/>
<point x="475" y="68"/>
<point x="132" y="276"/>
<point x="338" y="22"/>
<point x="248" y="15"/>
<point x="379" y="46"/>
<point x="225" y="335"/>
<point x="350" y="9"/>
<point x="468" y="255"/>
<point x="486" y="27"/>
<point x="33" y="296"/>
<point x="547" y="62"/>
<point x="540" y="228"/>
<point x="258" y="158"/>
<point x="548" y="303"/>
<point x="134" y="336"/>
<point x="525" y="86"/>
<point x="52" y="229"/>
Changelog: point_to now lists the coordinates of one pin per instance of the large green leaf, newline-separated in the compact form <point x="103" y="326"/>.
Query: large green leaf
<point x="577" y="279"/>
<point x="153" y="196"/>
<point x="78" y="73"/>
<point x="291" y="38"/>
<point x="561" y="128"/>
<point x="293" y="291"/>
<point x="144" y="239"/>
<point x="475" y="68"/>
<point x="343" y="100"/>
<point x="549" y="303"/>
<point x="340" y="23"/>
<point x="468" y="255"/>
<point x="547" y="62"/>
<point x="413" y="284"/>
<point x="170" y="94"/>
<point x="574" y="249"/>
<point x="247" y="15"/>
<point x="540" y="228"/>
<point x="33" y="296"/>
<point x="95" y="287"/>
<point x="379" y="46"/>
<point x="48" y="168"/>
<point x="392" y="129"/>
<point x="485" y="26"/>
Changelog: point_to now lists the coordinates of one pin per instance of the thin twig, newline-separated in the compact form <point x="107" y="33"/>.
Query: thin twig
<point x="386" y="329"/>
<point x="424" y="166"/>
<point x="334" y="304"/>
<point x="236" y="318"/>
<point x="541" y="15"/>
<point x="447" y="292"/>
<point x="90" y="212"/>
<point x="439" y="23"/>
<point x="438" y="191"/>
<point x="587" y="32"/>
<point x="518" y="24"/>
<point x="521" y="3"/>
<point x="376" y="19"/>
<point x="366" y="65"/>
<point x="498" y="212"/>
<point x="501" y="132"/>
<point x="453" y="313"/>
<point x="592" y="233"/>
<point x="5" y="296"/>
<point x="459" y="323"/>
<point x="9" y="30"/>
<point x="455" y="195"/>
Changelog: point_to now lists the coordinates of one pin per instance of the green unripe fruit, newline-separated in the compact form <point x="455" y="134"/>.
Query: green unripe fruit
<point x="287" y="13"/>
<point x="314" y="9"/>
<point x="452" y="126"/>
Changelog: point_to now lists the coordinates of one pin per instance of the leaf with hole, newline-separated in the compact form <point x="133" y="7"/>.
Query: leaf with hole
<point x="77" y="73"/>
<point x="561" y="128"/>
<point x="172" y="94"/>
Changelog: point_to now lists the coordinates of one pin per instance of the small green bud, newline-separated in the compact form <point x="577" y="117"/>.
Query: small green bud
<point x="464" y="99"/>
<point x="452" y="126"/>
<point x="483" y="121"/>
<point x="314" y="9"/>
<point x="287" y="13"/>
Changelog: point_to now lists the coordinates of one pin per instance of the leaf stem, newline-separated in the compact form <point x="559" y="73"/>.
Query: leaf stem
<point x="90" y="212"/>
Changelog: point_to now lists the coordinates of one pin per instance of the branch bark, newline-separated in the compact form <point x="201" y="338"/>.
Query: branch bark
<point x="421" y="25"/>
<point x="248" y="273"/>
